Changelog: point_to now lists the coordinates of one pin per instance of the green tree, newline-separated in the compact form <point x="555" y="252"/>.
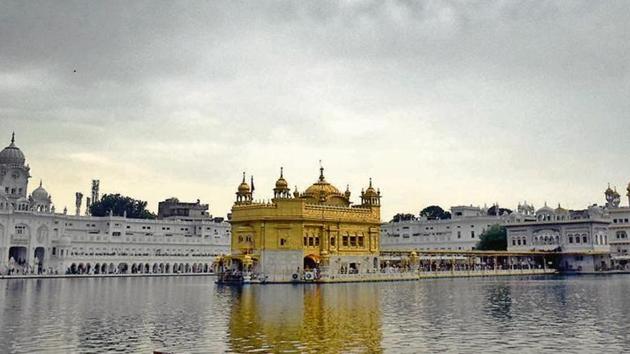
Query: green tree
<point x="119" y="204"/>
<point x="433" y="212"/>
<point x="493" y="211"/>
<point x="493" y="239"/>
<point x="403" y="217"/>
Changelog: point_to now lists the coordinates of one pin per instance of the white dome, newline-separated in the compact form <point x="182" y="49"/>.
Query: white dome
<point x="12" y="155"/>
<point x="40" y="193"/>
<point x="545" y="210"/>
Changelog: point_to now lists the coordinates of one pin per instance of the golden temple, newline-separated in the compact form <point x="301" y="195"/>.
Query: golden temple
<point x="299" y="235"/>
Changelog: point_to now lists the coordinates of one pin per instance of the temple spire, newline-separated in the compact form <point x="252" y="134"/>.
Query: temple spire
<point x="13" y="139"/>
<point x="281" y="176"/>
<point x="243" y="176"/>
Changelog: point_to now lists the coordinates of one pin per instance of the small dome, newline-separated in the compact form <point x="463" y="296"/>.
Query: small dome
<point x="544" y="210"/>
<point x="12" y="155"/>
<point x="370" y="191"/>
<point x="243" y="187"/>
<point x="609" y="191"/>
<point x="40" y="193"/>
<point x="282" y="183"/>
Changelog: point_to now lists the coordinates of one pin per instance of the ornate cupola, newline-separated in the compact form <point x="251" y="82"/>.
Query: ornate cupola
<point x="282" y="189"/>
<point x="244" y="193"/>
<point x="322" y="192"/>
<point x="12" y="155"/>
<point x="40" y="200"/>
<point x="371" y="197"/>
<point x="347" y="193"/>
<point x="14" y="173"/>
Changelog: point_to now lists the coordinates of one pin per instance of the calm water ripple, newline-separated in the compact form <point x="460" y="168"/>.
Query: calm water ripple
<point x="580" y="314"/>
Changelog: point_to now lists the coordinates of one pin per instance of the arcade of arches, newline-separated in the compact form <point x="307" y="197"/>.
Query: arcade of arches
<point x="139" y="268"/>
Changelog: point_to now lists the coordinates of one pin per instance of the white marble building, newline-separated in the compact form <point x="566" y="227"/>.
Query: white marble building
<point x="461" y="232"/>
<point x="619" y="228"/>
<point x="577" y="238"/>
<point x="36" y="238"/>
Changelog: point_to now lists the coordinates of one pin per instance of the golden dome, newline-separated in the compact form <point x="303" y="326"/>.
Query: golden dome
<point x="282" y="183"/>
<point x="609" y="190"/>
<point x="321" y="188"/>
<point x="370" y="191"/>
<point x="243" y="187"/>
<point x="317" y="188"/>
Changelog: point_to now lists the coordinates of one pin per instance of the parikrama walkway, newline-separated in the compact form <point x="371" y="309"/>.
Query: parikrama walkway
<point x="411" y="264"/>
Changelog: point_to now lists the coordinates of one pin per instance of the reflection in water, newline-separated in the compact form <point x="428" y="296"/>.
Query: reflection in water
<point x="193" y="315"/>
<point x="499" y="303"/>
<point x="306" y="318"/>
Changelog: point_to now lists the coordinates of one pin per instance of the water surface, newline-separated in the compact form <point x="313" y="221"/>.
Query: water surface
<point x="580" y="314"/>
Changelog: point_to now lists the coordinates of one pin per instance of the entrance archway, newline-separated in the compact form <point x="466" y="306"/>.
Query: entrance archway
<point x="18" y="255"/>
<point x="311" y="262"/>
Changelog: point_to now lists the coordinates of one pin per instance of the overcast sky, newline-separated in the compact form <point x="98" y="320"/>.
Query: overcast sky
<point x="439" y="102"/>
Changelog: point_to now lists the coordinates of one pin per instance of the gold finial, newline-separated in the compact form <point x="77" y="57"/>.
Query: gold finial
<point x="281" y="168"/>
<point x="321" y="171"/>
<point x="243" y="176"/>
<point x="370" y="181"/>
<point x="40" y="183"/>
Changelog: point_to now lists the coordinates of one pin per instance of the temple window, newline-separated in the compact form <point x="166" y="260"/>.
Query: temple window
<point x="332" y="241"/>
<point x="353" y="241"/>
<point x="570" y="238"/>
<point x="305" y="241"/>
<point x="360" y="241"/>
<point x="584" y="239"/>
<point x="316" y="241"/>
<point x="345" y="241"/>
<point x="283" y="242"/>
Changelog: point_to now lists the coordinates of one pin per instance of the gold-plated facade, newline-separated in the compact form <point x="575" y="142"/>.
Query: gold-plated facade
<point x="317" y="230"/>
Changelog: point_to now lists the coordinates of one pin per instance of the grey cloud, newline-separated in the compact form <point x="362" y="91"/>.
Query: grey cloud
<point x="424" y="89"/>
